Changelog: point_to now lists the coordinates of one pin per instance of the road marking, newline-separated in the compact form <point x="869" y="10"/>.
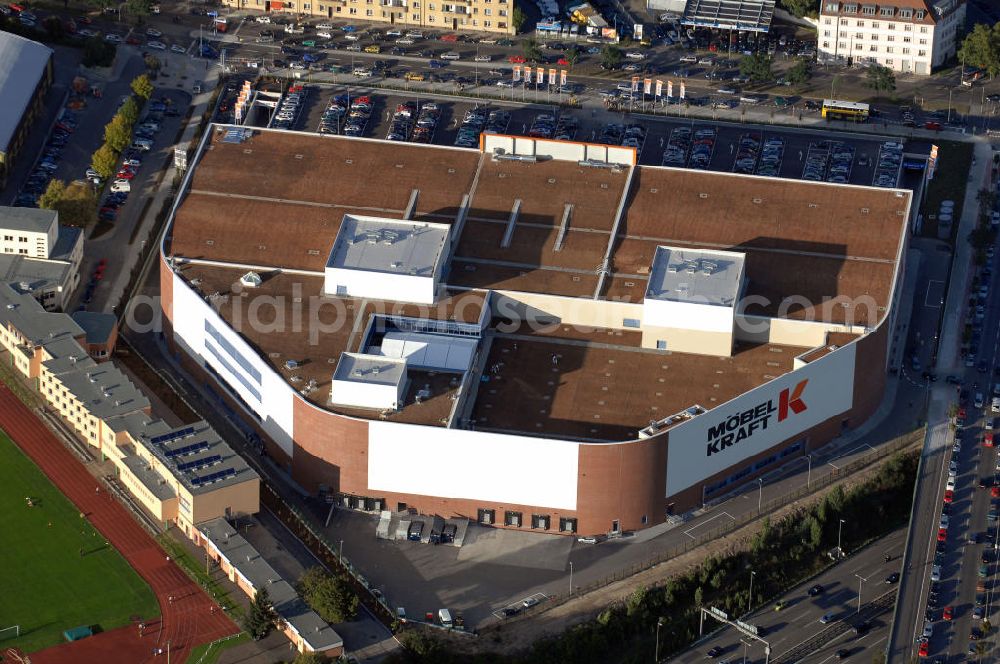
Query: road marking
<point x="848" y="453"/>
<point x="934" y="297"/>
<point x="706" y="521"/>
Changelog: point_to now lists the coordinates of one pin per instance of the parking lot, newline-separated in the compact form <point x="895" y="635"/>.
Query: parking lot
<point x="727" y="147"/>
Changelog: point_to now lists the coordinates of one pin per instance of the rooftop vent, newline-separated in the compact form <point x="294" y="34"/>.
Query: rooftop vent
<point x="672" y="269"/>
<point x="298" y="156"/>
<point x="250" y="280"/>
<point x="703" y="195"/>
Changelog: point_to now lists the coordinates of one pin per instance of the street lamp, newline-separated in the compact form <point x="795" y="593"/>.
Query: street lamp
<point x="656" y="656"/>
<point x="341" y="552"/>
<point x="840" y="528"/>
<point x="760" y="496"/>
<point x="571" y="578"/>
<point x="809" y="472"/>
<point x="861" y="579"/>
<point x="750" y="599"/>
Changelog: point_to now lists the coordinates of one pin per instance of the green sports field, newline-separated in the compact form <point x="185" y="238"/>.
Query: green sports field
<point x="46" y="586"/>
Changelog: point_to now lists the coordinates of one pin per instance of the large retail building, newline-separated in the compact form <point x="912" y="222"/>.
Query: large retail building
<point x="535" y="334"/>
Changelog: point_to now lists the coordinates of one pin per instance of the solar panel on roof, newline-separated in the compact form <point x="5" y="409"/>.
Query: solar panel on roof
<point x="187" y="449"/>
<point x="214" y="477"/>
<point x="199" y="463"/>
<point x="172" y="436"/>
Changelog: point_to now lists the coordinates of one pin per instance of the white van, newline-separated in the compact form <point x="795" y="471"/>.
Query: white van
<point x="451" y="55"/>
<point x="121" y="186"/>
<point x="444" y="615"/>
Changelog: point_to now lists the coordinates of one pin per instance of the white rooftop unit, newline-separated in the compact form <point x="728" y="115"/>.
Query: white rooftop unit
<point x="386" y="259"/>
<point x="430" y="351"/>
<point x="693" y="291"/>
<point x="369" y="381"/>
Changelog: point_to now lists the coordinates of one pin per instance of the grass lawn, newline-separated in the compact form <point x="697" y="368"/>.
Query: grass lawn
<point x="46" y="586"/>
<point x="950" y="180"/>
<point x="208" y="653"/>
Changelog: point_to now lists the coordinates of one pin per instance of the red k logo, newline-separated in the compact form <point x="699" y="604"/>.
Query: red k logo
<point x="791" y="401"/>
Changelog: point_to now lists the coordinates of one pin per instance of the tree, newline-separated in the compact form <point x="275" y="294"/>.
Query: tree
<point x="117" y="133"/>
<point x="104" y="161"/>
<point x="98" y="53"/>
<point x="800" y="8"/>
<point x="757" y="67"/>
<point x="52" y="195"/>
<point x="138" y="7"/>
<point x="799" y="73"/>
<point x="518" y="18"/>
<point x="129" y="111"/>
<point x="572" y="55"/>
<point x="531" y="50"/>
<point x="611" y="57"/>
<point x="75" y="203"/>
<point x="329" y="596"/>
<point x="142" y="86"/>
<point x="881" y="79"/>
<point x="698" y="597"/>
<point x="259" y="620"/>
<point x="54" y="27"/>
<point x="981" y="48"/>
<point x="152" y="62"/>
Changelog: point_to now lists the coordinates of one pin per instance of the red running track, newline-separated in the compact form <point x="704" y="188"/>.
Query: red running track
<point x="190" y="619"/>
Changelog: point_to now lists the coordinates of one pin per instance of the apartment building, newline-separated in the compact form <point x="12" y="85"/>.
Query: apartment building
<point x="183" y="475"/>
<point x="469" y="15"/>
<point x="40" y="257"/>
<point x="908" y="36"/>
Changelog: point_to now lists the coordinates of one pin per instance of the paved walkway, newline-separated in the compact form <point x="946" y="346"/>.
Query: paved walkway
<point x="186" y="621"/>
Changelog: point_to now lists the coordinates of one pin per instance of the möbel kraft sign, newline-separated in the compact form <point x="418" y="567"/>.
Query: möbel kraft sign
<point x="752" y="423"/>
<point x="736" y="428"/>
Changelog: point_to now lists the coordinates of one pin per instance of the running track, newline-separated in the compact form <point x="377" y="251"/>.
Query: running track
<point x="187" y="621"/>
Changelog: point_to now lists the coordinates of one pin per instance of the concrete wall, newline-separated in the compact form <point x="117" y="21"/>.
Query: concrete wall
<point x="786" y="332"/>
<point x="688" y="341"/>
<point x="584" y="312"/>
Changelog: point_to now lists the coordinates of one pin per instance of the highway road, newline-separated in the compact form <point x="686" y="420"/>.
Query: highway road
<point x="790" y="630"/>
<point x="950" y="603"/>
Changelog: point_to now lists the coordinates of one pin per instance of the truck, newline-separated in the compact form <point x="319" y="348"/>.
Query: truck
<point x="220" y="24"/>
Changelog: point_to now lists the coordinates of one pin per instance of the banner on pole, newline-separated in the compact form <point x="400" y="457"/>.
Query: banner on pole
<point x="683" y="90"/>
<point x="647" y="87"/>
<point x="517" y="73"/>
<point x="540" y="75"/>
<point x="670" y="89"/>
<point x="659" y="88"/>
<point x="635" y="84"/>
<point x="552" y="77"/>
<point x="527" y="74"/>
<point x="562" y="77"/>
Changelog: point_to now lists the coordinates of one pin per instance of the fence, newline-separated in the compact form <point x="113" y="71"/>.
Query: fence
<point x="837" y="474"/>
<point x="301" y="525"/>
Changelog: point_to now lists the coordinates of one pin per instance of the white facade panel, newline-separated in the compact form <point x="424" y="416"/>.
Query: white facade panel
<point x="472" y="465"/>
<point x="687" y="315"/>
<point x="760" y="419"/>
<point x="367" y="395"/>
<point x="379" y="285"/>
<point x="618" y="155"/>
<point x="271" y="398"/>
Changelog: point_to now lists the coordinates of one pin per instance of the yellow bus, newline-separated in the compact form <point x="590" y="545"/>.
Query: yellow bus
<point x="845" y="110"/>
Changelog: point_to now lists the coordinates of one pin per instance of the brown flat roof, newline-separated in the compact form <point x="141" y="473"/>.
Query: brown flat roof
<point x="609" y="392"/>
<point x="376" y="177"/>
<point x="726" y="211"/>
<point x="316" y="349"/>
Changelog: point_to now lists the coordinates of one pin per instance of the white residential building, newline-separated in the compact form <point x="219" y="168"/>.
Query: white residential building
<point x="38" y="256"/>
<point x="909" y="36"/>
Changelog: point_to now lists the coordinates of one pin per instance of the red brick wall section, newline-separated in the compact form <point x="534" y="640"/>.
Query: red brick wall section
<point x="329" y="449"/>
<point x="622" y="482"/>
